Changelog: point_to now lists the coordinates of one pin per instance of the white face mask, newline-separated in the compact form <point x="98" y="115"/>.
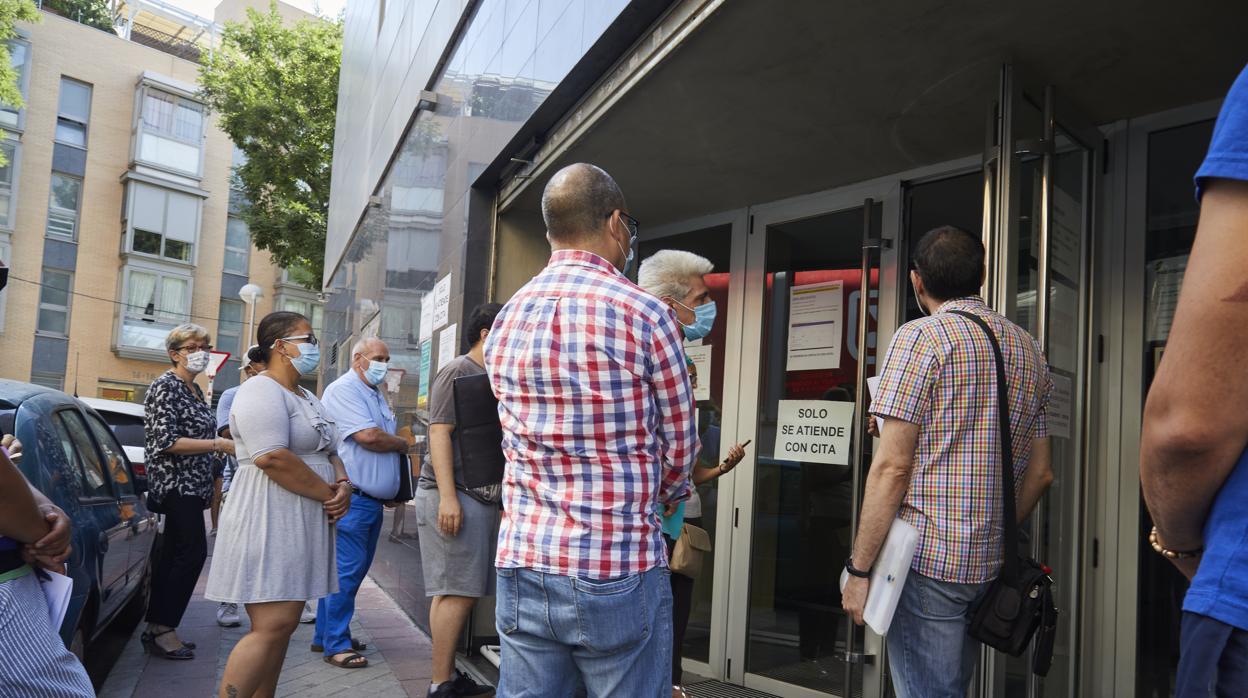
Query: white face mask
<point x="197" y="361"/>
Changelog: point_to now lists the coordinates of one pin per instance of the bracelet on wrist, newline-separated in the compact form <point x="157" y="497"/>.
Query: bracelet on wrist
<point x="854" y="571"/>
<point x="1155" y="541"/>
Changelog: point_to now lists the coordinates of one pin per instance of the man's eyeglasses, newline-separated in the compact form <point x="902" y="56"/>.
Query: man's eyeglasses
<point x="307" y="339"/>
<point x="631" y="223"/>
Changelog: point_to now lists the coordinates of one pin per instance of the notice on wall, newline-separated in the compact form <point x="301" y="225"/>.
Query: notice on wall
<point x="442" y="301"/>
<point x="1064" y="243"/>
<point x="1164" y="279"/>
<point x="700" y="372"/>
<point x="446" y="345"/>
<point x="422" y="392"/>
<point x="426" y="316"/>
<point x="1061" y="401"/>
<point x="815" y="326"/>
<point x="814" y="431"/>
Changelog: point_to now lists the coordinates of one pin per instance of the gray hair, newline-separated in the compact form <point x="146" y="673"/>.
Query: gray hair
<point x="183" y="333"/>
<point x="577" y="201"/>
<point x="667" y="272"/>
<point x="362" y="344"/>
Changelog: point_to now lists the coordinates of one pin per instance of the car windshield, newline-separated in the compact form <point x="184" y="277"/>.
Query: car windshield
<point x="127" y="428"/>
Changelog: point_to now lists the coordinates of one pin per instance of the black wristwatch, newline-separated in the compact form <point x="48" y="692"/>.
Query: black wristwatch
<point x="854" y="571"/>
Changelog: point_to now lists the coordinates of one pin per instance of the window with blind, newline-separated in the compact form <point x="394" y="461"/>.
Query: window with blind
<point x="171" y="131"/>
<point x="64" y="197"/>
<point x="73" y="113"/>
<point x="162" y="223"/>
<point x="237" y="246"/>
<point x="154" y="302"/>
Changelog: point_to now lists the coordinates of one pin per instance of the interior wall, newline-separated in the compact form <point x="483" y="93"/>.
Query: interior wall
<point x="521" y="253"/>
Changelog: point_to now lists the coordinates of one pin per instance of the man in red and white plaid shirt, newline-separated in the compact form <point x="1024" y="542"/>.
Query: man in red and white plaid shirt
<point x="599" y="433"/>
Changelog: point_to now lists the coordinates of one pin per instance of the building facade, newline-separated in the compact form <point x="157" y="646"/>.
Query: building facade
<point x="120" y="221"/>
<point x="809" y="144"/>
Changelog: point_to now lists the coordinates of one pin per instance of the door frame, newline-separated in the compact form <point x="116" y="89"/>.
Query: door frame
<point x="732" y="315"/>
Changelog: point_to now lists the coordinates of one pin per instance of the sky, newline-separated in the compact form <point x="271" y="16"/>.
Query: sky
<point x="203" y="8"/>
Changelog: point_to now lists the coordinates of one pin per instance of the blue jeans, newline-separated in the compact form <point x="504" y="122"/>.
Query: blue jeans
<point x="1214" y="659"/>
<point x="566" y="636"/>
<point x="356" y="542"/>
<point x="928" y="649"/>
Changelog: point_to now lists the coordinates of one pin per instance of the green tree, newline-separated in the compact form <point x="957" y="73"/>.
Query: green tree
<point x="274" y="89"/>
<point x="12" y="12"/>
<point x="93" y="13"/>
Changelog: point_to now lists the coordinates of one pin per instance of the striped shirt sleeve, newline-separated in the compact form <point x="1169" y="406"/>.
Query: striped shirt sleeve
<point x="908" y="376"/>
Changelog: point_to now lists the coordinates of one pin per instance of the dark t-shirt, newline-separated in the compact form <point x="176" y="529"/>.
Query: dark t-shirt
<point x="442" y="411"/>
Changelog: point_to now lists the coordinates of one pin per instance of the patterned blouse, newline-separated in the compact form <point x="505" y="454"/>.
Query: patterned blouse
<point x="171" y="410"/>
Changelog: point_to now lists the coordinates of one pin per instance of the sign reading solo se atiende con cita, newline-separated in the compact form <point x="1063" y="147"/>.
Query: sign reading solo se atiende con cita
<point x="814" y="431"/>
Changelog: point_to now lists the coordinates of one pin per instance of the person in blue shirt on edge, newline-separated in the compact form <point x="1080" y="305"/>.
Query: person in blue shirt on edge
<point x="366" y="427"/>
<point x="1193" y="466"/>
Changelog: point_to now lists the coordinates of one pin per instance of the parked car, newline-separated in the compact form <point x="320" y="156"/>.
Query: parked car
<point x="70" y="453"/>
<point x="126" y="421"/>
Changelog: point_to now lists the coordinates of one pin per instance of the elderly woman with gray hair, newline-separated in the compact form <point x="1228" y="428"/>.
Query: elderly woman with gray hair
<point x="675" y="277"/>
<point x="180" y="432"/>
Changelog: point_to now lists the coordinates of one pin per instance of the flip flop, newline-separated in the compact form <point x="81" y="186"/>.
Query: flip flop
<point x="355" y="645"/>
<point x="353" y="660"/>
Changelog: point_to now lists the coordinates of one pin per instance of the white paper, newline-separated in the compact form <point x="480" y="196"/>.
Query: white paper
<point x="426" y="317"/>
<point x="446" y="345"/>
<point x="442" y="301"/>
<point x="1165" y="278"/>
<point x="873" y="386"/>
<point x="57" y="588"/>
<point x="1063" y="326"/>
<point x="1060" y="403"/>
<point x="888" y="575"/>
<point x="814" y="431"/>
<point x="1064" y="247"/>
<point x="700" y="355"/>
<point x="815" y="319"/>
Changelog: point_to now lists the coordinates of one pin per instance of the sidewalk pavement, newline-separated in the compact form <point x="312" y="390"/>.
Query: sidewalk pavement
<point x="398" y="655"/>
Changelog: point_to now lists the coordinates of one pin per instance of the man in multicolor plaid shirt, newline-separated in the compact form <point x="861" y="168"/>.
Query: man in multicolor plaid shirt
<point x="938" y="466"/>
<point x="599" y="435"/>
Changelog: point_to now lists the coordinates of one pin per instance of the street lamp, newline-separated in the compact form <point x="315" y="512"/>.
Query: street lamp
<point x="249" y="293"/>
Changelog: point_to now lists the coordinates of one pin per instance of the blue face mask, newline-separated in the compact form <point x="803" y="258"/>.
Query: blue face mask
<point x="376" y="372"/>
<point x="628" y="256"/>
<point x="309" y="358"/>
<point x="704" y="320"/>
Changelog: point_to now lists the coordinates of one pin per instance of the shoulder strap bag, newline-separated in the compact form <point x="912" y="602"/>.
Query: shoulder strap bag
<point x="1020" y="600"/>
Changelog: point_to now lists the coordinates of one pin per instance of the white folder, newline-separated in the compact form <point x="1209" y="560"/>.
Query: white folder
<point x="888" y="576"/>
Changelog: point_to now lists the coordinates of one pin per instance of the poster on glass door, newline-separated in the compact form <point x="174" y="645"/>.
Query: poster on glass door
<point x="815" y="326"/>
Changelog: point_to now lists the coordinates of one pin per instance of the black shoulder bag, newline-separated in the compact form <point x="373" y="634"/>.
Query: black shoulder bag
<point x="1020" y="600"/>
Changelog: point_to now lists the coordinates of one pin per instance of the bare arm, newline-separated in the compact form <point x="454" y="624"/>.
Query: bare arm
<point x="186" y="446"/>
<point x="887" y="482"/>
<point x="377" y="440"/>
<point x="20" y="518"/>
<point x="1194" y="430"/>
<point x="442" y="455"/>
<point x="289" y="471"/>
<point x="1037" y="479"/>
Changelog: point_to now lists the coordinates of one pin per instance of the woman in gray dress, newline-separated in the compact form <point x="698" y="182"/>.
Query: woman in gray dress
<point x="275" y="545"/>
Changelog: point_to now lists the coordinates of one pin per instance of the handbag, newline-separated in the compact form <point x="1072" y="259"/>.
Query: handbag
<point x="694" y="542"/>
<point x="407" y="489"/>
<point x="1019" y="602"/>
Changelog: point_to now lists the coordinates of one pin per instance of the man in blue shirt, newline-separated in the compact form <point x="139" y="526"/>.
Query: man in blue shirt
<point x="369" y="448"/>
<point x="1193" y="466"/>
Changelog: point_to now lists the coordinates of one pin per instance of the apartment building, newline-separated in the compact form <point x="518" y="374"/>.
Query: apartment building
<point x="116" y="212"/>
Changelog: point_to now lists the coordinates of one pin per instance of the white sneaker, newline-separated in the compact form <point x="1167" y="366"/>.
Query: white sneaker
<point x="227" y="615"/>
<point x="309" y="613"/>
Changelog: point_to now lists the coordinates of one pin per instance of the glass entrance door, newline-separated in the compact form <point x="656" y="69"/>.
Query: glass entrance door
<point x="816" y="308"/>
<point x="1041" y="169"/>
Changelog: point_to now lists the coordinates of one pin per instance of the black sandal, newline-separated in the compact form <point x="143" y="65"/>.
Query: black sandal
<point x="355" y="645"/>
<point x="149" y="643"/>
<point x="353" y="660"/>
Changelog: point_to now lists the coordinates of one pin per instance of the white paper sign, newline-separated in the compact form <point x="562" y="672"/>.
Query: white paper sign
<point x="446" y="345"/>
<point x="815" y="320"/>
<point x="442" y="301"/>
<point x="1165" y="278"/>
<point x="700" y="374"/>
<point x="814" y="431"/>
<point x="426" y="317"/>
<point x="1059" y="412"/>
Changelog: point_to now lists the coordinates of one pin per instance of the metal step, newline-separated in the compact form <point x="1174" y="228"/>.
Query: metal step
<point x="718" y="689"/>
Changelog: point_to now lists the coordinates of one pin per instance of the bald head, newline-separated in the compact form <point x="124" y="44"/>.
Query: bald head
<point x="577" y="202"/>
